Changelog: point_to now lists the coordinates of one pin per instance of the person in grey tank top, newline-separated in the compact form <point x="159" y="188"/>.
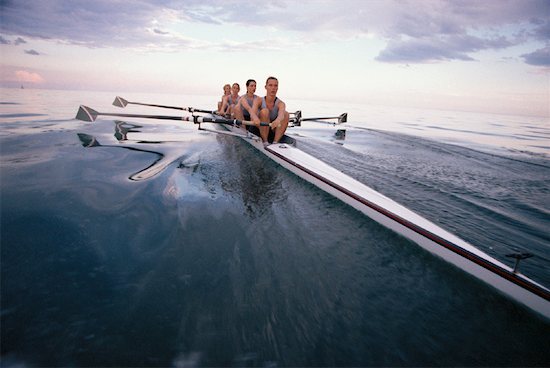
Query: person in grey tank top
<point x="226" y="92"/>
<point x="229" y="102"/>
<point x="272" y="110"/>
<point x="242" y="110"/>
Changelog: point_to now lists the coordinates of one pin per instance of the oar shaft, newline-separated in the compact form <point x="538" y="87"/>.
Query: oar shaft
<point x="88" y="114"/>
<point x="142" y="116"/>
<point x="204" y="119"/>
<point x="343" y="118"/>
<point x="323" y="118"/>
<point x="155" y="105"/>
<point x="190" y="109"/>
<point x="121" y="102"/>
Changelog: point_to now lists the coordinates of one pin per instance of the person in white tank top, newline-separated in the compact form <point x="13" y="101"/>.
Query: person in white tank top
<point x="272" y="110"/>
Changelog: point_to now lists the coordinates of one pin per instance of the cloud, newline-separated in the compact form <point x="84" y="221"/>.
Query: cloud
<point x="99" y="23"/>
<point x="414" y="31"/>
<point x="419" y="51"/>
<point x="542" y="29"/>
<point x="24" y="76"/>
<point x="32" y="52"/>
<point x="158" y="31"/>
<point x="452" y="30"/>
<point x="539" y="57"/>
<point x="430" y="49"/>
<point x="18" y="41"/>
<point x="273" y="44"/>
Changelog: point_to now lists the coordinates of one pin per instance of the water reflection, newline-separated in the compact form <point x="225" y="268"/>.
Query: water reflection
<point x="258" y="180"/>
<point x="156" y="167"/>
<point x="167" y="147"/>
<point x="123" y="128"/>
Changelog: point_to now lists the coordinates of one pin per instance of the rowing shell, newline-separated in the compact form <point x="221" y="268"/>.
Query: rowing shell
<point x="403" y="221"/>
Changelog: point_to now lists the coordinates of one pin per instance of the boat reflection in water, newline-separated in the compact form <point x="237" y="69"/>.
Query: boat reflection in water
<point x="122" y="129"/>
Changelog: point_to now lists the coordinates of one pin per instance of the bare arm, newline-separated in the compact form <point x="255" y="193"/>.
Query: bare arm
<point x="255" y="107"/>
<point x="243" y="103"/>
<point x="225" y="102"/>
<point x="280" y="116"/>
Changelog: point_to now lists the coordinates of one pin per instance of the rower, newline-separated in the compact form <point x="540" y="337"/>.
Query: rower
<point x="243" y="108"/>
<point x="272" y="110"/>
<point x="226" y="92"/>
<point x="230" y="101"/>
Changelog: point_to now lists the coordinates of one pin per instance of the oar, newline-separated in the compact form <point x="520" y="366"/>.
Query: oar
<point x="121" y="102"/>
<point x="88" y="114"/>
<point x="341" y="119"/>
<point x="297" y="119"/>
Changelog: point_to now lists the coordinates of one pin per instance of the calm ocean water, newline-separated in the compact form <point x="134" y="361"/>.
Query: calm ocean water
<point x="147" y="243"/>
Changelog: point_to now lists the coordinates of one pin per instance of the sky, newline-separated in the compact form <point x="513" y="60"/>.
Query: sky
<point x="470" y="55"/>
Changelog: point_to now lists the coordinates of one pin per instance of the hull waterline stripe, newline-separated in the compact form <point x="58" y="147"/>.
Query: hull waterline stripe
<point x="535" y="289"/>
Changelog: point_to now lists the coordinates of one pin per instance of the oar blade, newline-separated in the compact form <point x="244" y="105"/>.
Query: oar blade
<point x="88" y="140"/>
<point x="343" y="118"/>
<point x="86" y="114"/>
<point x="340" y="134"/>
<point x="120" y="102"/>
<point x="298" y="118"/>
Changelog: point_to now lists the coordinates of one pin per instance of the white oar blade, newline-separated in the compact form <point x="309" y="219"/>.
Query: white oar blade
<point x="86" y="114"/>
<point x="120" y="102"/>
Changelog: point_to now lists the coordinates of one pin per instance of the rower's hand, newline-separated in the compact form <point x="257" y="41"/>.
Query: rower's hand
<point x="275" y="124"/>
<point x="256" y="121"/>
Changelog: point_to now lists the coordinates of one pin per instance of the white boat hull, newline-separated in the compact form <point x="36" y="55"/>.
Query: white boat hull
<point x="407" y="223"/>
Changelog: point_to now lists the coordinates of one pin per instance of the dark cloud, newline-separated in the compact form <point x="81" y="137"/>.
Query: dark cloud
<point x="420" y="51"/>
<point x="32" y="52"/>
<point x="97" y="23"/>
<point x="3" y="41"/>
<point x="430" y="49"/>
<point x="19" y="41"/>
<point x="539" y="57"/>
<point x="542" y="31"/>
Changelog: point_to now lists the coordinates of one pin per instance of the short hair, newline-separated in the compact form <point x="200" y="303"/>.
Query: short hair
<point x="237" y="84"/>
<point x="250" y="81"/>
<point x="268" y="78"/>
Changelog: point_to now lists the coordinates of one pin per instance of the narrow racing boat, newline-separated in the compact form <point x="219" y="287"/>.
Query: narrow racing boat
<point x="398" y="218"/>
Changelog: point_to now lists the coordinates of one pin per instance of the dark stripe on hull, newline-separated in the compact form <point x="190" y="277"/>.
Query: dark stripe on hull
<point x="510" y="276"/>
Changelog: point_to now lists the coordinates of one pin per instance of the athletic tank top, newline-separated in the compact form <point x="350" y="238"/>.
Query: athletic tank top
<point x="273" y="112"/>
<point x="250" y="103"/>
<point x="230" y="100"/>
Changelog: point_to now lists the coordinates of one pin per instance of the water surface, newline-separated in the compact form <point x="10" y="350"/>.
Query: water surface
<point x="144" y="243"/>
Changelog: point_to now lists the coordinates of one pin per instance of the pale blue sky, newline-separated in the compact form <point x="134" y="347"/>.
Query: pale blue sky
<point x="491" y="55"/>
